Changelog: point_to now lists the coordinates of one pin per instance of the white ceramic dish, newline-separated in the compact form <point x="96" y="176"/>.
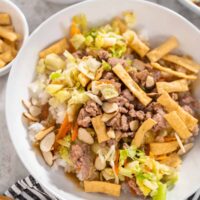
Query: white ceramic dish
<point x="20" y="24"/>
<point x="189" y="4"/>
<point x="158" y="21"/>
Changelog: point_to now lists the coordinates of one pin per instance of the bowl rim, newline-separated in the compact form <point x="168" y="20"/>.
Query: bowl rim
<point x="12" y="72"/>
<point x="7" y="68"/>
<point x="190" y="5"/>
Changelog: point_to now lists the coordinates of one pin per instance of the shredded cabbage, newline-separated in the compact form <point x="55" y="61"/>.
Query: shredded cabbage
<point x="161" y="192"/>
<point x="149" y="173"/>
<point x="63" y="95"/>
<point x="55" y="75"/>
<point x="77" y="41"/>
<point x="53" y="88"/>
<point x="53" y="62"/>
<point x="64" y="150"/>
<point x="106" y="66"/>
<point x="108" y="91"/>
<point x="78" y="97"/>
<point x="69" y="56"/>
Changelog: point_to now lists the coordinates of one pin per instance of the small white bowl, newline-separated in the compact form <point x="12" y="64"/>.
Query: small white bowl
<point x="189" y="4"/>
<point x="20" y="24"/>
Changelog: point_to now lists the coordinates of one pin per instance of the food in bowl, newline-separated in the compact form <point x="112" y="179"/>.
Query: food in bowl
<point x="9" y="40"/>
<point x="113" y="111"/>
<point x="197" y="2"/>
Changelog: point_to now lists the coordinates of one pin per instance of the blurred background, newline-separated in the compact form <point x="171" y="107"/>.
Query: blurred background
<point x="37" y="11"/>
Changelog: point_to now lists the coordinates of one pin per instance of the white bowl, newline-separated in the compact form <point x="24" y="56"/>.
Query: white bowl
<point x="160" y="23"/>
<point x="189" y="4"/>
<point x="20" y="24"/>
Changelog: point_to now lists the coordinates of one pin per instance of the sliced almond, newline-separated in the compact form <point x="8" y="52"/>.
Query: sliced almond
<point x="47" y="142"/>
<point x="95" y="98"/>
<point x="41" y="134"/>
<point x="48" y="157"/>
<point x="150" y="82"/>
<point x="187" y="148"/>
<point x="85" y="136"/>
<point x="111" y="133"/>
<point x="34" y="102"/>
<point x="26" y="104"/>
<point x="35" y="111"/>
<point x="100" y="163"/>
<point x="110" y="107"/>
<point x="106" y="117"/>
<point x="30" y="117"/>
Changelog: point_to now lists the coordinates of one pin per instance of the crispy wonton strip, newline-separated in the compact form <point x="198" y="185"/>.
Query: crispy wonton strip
<point x="57" y="48"/>
<point x="102" y="187"/>
<point x="100" y="129"/>
<point x="139" y="136"/>
<point x="160" y="51"/>
<point x="9" y="35"/>
<point x="183" y="62"/>
<point x="171" y="71"/>
<point x="6" y="56"/>
<point x="163" y="147"/>
<point x="1" y="46"/>
<point x="140" y="47"/>
<point x="174" y="86"/>
<point x="172" y="160"/>
<point x="9" y="27"/>
<point x="131" y="84"/>
<point x="4" y="19"/>
<point x="177" y="124"/>
<point x="170" y="105"/>
<point x="2" y="63"/>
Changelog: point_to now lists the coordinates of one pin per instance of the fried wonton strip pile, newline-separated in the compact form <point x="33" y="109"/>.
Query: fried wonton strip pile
<point x="183" y="62"/>
<point x="138" y="46"/>
<point x="163" y="147"/>
<point x="57" y="48"/>
<point x="131" y="84"/>
<point x="173" y="72"/>
<point x="100" y="129"/>
<point x="174" y="86"/>
<point x="157" y="53"/>
<point x="102" y="187"/>
<point x="178" y="125"/>
<point x="170" y="105"/>
<point x="139" y="136"/>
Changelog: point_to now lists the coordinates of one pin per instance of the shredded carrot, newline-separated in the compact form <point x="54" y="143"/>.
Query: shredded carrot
<point x="74" y="29"/>
<point x="64" y="128"/>
<point x="117" y="162"/>
<point x="74" y="131"/>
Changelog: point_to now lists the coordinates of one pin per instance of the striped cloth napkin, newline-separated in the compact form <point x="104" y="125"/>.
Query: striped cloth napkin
<point x="30" y="189"/>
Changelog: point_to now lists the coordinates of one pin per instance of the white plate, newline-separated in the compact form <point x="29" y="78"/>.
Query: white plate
<point x="158" y="21"/>
<point x="189" y="4"/>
